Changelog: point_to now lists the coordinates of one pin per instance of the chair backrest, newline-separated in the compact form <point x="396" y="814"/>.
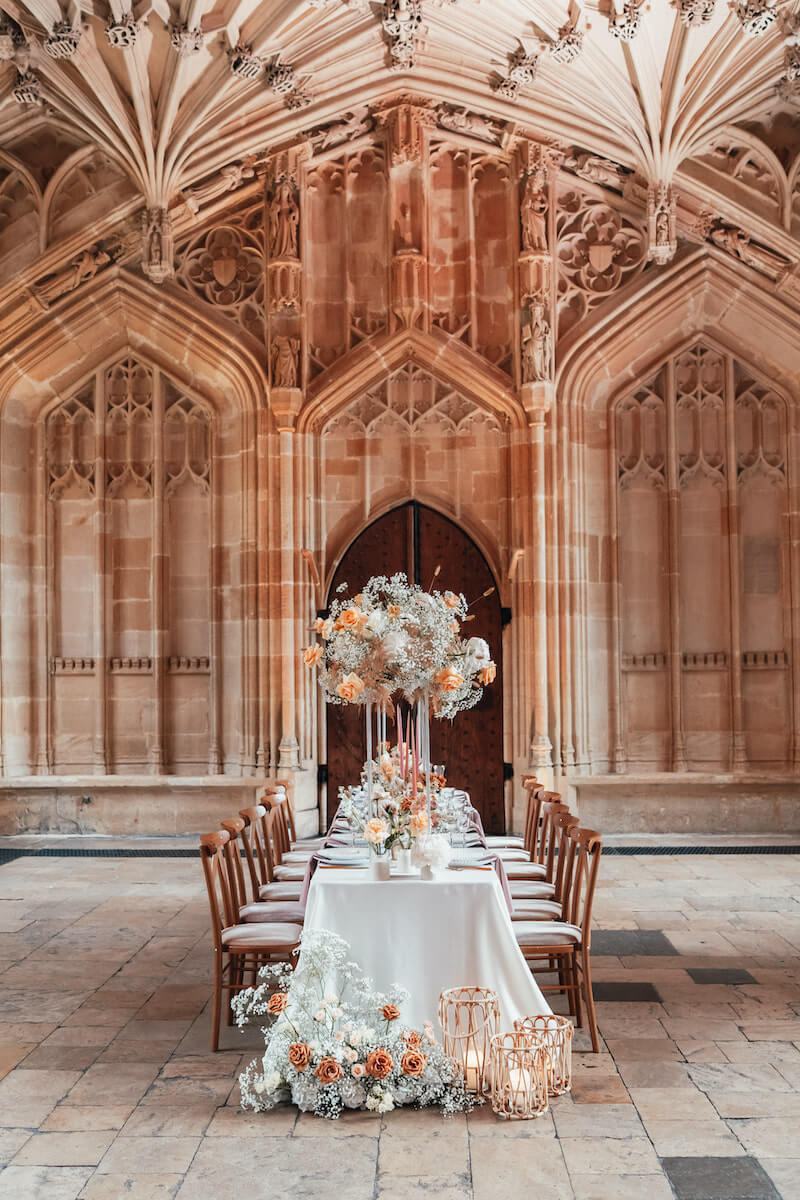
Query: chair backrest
<point x="562" y="823"/>
<point x="583" y="862"/>
<point x="234" y="827"/>
<point x="533" y="817"/>
<point x="220" y="900"/>
<point x="278" y="827"/>
<point x="545" y="851"/>
<point x="257" y="850"/>
<point x="288" y="788"/>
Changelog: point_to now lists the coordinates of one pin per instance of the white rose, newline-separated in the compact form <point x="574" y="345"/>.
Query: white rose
<point x="394" y="644"/>
<point x="272" y="1081"/>
<point x="376" y="621"/>
<point x="320" y="1016"/>
<point x="478" y="651"/>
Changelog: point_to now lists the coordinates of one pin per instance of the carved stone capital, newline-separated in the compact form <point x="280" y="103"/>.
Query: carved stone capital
<point x="408" y="287"/>
<point x="537" y="399"/>
<point x="286" y="403"/>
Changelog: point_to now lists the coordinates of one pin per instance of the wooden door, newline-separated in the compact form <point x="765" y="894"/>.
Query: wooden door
<point x="416" y="539"/>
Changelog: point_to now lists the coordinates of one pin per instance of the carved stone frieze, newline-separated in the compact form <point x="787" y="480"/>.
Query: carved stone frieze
<point x="179" y="664"/>
<point x="595" y="169"/>
<point x="736" y="242"/>
<point x="461" y="120"/>
<point x="135" y="665"/>
<point x="51" y="287"/>
<point x="227" y="179"/>
<point x="598" y="251"/>
<point x="351" y="126"/>
<point x="72" y="666"/>
<point x="225" y="267"/>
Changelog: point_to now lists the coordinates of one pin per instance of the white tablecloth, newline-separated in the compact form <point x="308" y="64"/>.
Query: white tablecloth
<point x="451" y="931"/>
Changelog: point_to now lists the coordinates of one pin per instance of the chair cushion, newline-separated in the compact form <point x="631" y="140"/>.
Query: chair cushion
<point x="526" y="870"/>
<point x="289" y="872"/>
<point x="530" y="934"/>
<point x="281" y="936"/>
<point x="285" y="910"/>
<point x="296" y="858"/>
<point x="505" y="843"/>
<point x="536" y="910"/>
<point x="280" y="891"/>
<point x="526" y="890"/>
<point x="309" y="845"/>
<point x="514" y="856"/>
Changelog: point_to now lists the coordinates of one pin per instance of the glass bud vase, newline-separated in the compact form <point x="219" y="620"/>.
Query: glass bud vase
<point x="379" y="866"/>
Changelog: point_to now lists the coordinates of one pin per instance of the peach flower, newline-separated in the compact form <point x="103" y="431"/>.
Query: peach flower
<point x="488" y="673"/>
<point x="419" y="821"/>
<point x="449" y="679"/>
<point x="405" y="804"/>
<point x="375" y="830"/>
<point x="350" y="687"/>
<point x="393" y="610"/>
<point x="413" y="1063"/>
<point x="359" y="1069"/>
<point x="349" y="618"/>
<point x="277" y="1002"/>
<point x="379" y="1063"/>
<point x="451" y="600"/>
<point x="312" y="655"/>
<point x="359" y="599"/>
<point x="328" y="1071"/>
<point x="324" y="627"/>
<point x="299" y="1055"/>
<point x="412" y="1039"/>
<point x="390" y="1012"/>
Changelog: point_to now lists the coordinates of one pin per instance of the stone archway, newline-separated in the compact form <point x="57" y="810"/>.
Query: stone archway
<point x="416" y="539"/>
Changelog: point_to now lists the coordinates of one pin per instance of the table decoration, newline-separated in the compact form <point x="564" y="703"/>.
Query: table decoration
<point x="519" y="1067"/>
<point x="555" y="1033"/>
<point x="470" y="1018"/>
<point x="431" y="853"/>
<point x="334" y="1042"/>
<point x="394" y="642"/>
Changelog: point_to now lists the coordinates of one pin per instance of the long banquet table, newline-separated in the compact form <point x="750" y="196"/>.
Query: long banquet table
<point x="427" y="935"/>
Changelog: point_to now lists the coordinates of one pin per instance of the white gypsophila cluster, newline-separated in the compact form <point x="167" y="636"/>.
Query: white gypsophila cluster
<point x="333" y="1042"/>
<point x="394" y="639"/>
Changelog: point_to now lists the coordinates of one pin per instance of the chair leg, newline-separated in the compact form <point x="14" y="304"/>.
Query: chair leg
<point x="217" y="1003"/>
<point x="235" y="980"/>
<point x="576" y="983"/>
<point x="586" y="972"/>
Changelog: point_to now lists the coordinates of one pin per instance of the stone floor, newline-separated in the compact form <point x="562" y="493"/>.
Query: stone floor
<point x="109" y="1091"/>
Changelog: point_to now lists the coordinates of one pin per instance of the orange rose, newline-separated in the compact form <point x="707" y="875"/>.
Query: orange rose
<point x="350" y="618"/>
<point x="413" y="1063"/>
<point x="323" y="627"/>
<point x="419" y="821"/>
<point x="412" y="1039"/>
<point x="328" y="1071"/>
<point x="488" y="673"/>
<point x="451" y="600"/>
<point x="405" y="804"/>
<point x="375" y="830"/>
<point x="379" y="1063"/>
<point x="312" y="655"/>
<point x="299" y="1055"/>
<point x="350" y="687"/>
<point x="277" y="1002"/>
<point x="393" y="610"/>
<point x="390" y="1012"/>
<point x="449" y="679"/>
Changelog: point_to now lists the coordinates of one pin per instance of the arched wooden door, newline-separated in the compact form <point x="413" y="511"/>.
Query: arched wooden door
<point x="416" y="539"/>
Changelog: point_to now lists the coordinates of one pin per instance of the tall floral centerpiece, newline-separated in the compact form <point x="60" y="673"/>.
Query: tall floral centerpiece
<point x="392" y="644"/>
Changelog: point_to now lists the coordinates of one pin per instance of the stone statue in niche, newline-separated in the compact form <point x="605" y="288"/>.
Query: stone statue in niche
<point x="81" y="269"/>
<point x="226" y="180"/>
<point x="536" y="346"/>
<point x="157" y="245"/>
<point x="285" y="351"/>
<point x="533" y="211"/>
<point x="404" y="233"/>
<point x="284" y="218"/>
<point x="734" y="241"/>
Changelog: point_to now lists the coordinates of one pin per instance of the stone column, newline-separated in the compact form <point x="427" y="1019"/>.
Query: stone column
<point x="738" y="747"/>
<point x="100" y="743"/>
<point x="159" y="635"/>
<point x="673" y="526"/>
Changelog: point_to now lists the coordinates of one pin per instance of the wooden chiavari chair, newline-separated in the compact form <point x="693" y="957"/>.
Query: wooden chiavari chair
<point x="251" y="908"/>
<point x="278" y="828"/>
<point x="565" y="946"/>
<point x="503" y="842"/>
<point x="256" y="838"/>
<point x="239" y="949"/>
<point x="550" y="908"/>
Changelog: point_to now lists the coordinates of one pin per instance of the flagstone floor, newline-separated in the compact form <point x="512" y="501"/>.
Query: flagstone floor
<point x="109" y="1091"/>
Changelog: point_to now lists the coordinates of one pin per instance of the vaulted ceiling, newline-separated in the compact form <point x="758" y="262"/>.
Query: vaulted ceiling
<point x="647" y="87"/>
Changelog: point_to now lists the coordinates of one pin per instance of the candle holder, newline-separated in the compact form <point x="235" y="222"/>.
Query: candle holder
<point x="519" y="1067"/>
<point x="470" y="1018"/>
<point x="555" y="1033"/>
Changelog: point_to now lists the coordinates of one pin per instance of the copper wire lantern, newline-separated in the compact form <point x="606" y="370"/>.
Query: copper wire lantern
<point x="470" y="1018"/>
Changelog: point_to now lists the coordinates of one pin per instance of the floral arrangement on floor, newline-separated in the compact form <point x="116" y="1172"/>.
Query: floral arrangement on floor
<point x="333" y="1042"/>
<point x="395" y="639"/>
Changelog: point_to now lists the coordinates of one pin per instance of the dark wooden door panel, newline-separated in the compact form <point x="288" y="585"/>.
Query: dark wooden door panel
<point x="416" y="539"/>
